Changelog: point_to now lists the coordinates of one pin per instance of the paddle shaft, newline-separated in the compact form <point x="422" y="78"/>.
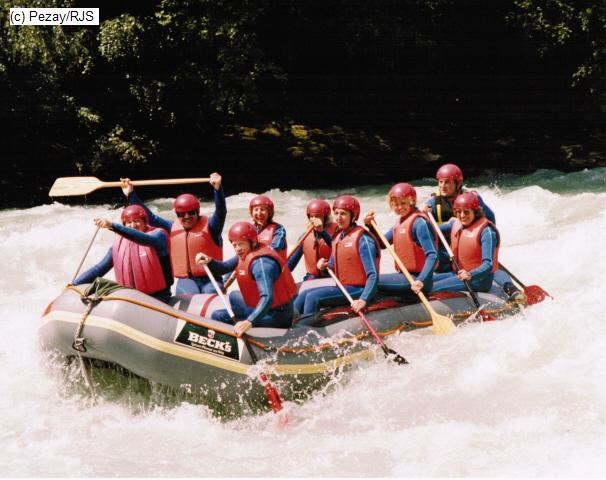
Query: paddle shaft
<point x="452" y="258"/>
<point x="386" y="351"/>
<point x="166" y="181"/>
<point x="516" y="279"/>
<point x="232" y="277"/>
<point x="85" y="255"/>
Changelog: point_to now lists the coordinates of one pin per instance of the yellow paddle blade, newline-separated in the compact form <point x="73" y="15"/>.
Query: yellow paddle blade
<point x="66" y="186"/>
<point x="442" y="325"/>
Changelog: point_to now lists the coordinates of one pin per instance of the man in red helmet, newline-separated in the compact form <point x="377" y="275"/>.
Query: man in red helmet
<point x="267" y="288"/>
<point x="475" y="244"/>
<point x="415" y="243"/>
<point x="270" y="233"/>
<point x="192" y="233"/>
<point x="355" y="259"/>
<point x="317" y="244"/>
<point x="139" y="255"/>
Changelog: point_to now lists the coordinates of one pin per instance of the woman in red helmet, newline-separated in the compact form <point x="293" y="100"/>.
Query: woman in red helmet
<point x="270" y="233"/>
<point x="192" y="233"/>
<point x="317" y="244"/>
<point x="355" y="260"/>
<point x="414" y="241"/>
<point x="267" y="288"/>
<point x="139" y="255"/>
<point x="475" y="243"/>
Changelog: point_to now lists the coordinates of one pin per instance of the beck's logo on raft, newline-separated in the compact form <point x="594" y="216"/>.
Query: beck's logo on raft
<point x="207" y="339"/>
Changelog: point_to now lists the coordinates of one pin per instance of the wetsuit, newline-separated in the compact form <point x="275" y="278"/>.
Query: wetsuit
<point x="192" y="284"/>
<point x="157" y="240"/>
<point x="296" y="256"/>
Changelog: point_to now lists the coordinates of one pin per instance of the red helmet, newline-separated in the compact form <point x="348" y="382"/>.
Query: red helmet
<point x="134" y="212"/>
<point x="403" y="190"/>
<point x="349" y="203"/>
<point x="242" y="231"/>
<point x="186" y="203"/>
<point x="448" y="171"/>
<point x="262" y="201"/>
<point x="466" y="201"/>
<point x="318" y="207"/>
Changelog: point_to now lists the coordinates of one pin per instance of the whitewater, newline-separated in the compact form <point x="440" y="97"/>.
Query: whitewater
<point x="522" y="397"/>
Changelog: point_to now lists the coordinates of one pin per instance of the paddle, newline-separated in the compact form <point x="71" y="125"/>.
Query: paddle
<point x="441" y="323"/>
<point x="272" y="394"/>
<point x="485" y="316"/>
<point x="67" y="186"/>
<point x="85" y="255"/>
<point x="397" y="358"/>
<point x="232" y="277"/>
<point x="534" y="293"/>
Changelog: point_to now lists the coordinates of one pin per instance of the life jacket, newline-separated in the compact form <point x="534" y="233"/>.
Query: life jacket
<point x="411" y="254"/>
<point x="138" y="266"/>
<point x="348" y="264"/>
<point x="266" y="235"/>
<point x="185" y="244"/>
<point x="284" y="288"/>
<point x="315" y="248"/>
<point x="467" y="246"/>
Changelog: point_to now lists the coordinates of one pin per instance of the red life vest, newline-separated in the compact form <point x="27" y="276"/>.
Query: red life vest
<point x="411" y="254"/>
<point x="138" y="266"/>
<point x="467" y="246"/>
<point x="266" y="235"/>
<point x="185" y="244"/>
<point x="285" y="288"/>
<point x="315" y="248"/>
<point x="348" y="264"/>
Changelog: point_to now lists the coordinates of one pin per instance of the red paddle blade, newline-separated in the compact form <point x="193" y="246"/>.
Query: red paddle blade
<point x="272" y="394"/>
<point x="535" y="294"/>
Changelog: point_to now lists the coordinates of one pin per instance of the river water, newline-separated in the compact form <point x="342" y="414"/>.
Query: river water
<point x="521" y="397"/>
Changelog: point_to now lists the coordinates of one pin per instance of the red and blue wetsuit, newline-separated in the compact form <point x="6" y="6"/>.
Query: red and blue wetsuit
<point x="156" y="239"/>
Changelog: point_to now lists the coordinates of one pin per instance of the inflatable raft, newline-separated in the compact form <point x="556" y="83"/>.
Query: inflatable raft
<point x="179" y="346"/>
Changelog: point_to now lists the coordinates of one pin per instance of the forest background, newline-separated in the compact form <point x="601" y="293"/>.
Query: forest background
<point x="300" y="94"/>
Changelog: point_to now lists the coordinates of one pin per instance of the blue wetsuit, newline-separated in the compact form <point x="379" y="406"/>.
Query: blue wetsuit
<point x="216" y="221"/>
<point x="158" y="240"/>
<point x="311" y="300"/>
<point x="424" y="236"/>
<point x="265" y="271"/>
<point x="294" y="259"/>
<point x="482" y="276"/>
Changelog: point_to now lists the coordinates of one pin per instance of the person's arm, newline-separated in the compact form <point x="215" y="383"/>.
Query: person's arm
<point x="265" y="271"/>
<point x="430" y="205"/>
<point x="98" y="270"/>
<point x="220" y="268"/>
<point x="154" y="220"/>
<point x="278" y="243"/>
<point x="487" y="211"/>
<point x="488" y="240"/>
<point x="446" y="228"/>
<point x="326" y="237"/>
<point x="293" y="261"/>
<point x="368" y="252"/>
<point x="424" y="237"/>
<point x="157" y="239"/>
<point x="216" y="222"/>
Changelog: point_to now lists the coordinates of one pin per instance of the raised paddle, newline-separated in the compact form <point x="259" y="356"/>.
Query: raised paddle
<point x="68" y="186"/>
<point x="397" y="358"/>
<point x="534" y="293"/>
<point x="441" y="323"/>
<point x="85" y="255"/>
<point x="232" y="277"/>
<point x="272" y="394"/>
<point x="485" y="316"/>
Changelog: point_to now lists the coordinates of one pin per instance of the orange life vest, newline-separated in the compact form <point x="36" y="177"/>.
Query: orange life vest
<point x="138" y="266"/>
<point x="185" y="244"/>
<point x="467" y="245"/>
<point x="411" y="254"/>
<point x="348" y="264"/>
<point x="315" y="248"/>
<point x="284" y="289"/>
<point x="266" y="235"/>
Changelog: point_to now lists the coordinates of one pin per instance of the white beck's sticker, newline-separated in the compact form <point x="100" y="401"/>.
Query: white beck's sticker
<point x="207" y="340"/>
